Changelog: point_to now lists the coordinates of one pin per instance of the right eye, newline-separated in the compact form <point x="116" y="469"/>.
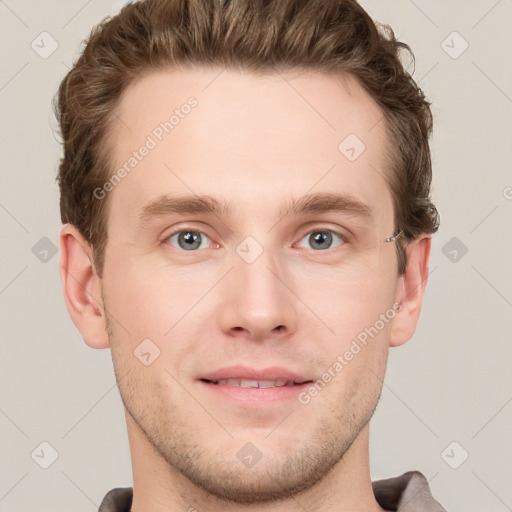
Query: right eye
<point x="188" y="240"/>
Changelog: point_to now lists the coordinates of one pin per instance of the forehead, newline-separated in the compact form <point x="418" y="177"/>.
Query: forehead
<point x="249" y="138"/>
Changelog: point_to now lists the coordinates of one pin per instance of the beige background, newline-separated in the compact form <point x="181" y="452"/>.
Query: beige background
<point x="452" y="382"/>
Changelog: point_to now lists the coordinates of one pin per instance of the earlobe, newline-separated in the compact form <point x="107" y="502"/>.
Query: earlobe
<point x="411" y="291"/>
<point x="82" y="287"/>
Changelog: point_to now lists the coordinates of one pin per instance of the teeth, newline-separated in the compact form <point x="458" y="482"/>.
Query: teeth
<point x="245" y="383"/>
<point x="266" y="384"/>
<point x="250" y="383"/>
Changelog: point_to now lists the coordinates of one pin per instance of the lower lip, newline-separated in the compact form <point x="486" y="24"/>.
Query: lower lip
<point x="256" y="395"/>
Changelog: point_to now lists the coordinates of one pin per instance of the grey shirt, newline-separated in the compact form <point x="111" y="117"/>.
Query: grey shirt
<point x="409" y="492"/>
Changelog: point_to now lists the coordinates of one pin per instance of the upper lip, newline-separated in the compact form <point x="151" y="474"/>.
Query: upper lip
<point x="272" y="373"/>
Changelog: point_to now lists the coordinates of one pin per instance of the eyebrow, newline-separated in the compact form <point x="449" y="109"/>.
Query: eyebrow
<point x="320" y="202"/>
<point x="167" y="205"/>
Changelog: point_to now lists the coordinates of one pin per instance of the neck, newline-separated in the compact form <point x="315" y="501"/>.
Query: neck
<point x="158" y="487"/>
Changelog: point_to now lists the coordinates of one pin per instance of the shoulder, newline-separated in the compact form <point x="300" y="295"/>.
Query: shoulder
<point x="406" y="493"/>
<point x="117" y="500"/>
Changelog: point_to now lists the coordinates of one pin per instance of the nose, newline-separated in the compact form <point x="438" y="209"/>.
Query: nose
<point x="259" y="302"/>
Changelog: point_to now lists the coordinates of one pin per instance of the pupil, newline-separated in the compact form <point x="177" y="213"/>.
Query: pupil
<point x="189" y="240"/>
<point x="321" y="240"/>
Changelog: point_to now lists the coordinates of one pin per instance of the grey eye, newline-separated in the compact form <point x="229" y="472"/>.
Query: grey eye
<point x="322" y="240"/>
<point x="188" y="240"/>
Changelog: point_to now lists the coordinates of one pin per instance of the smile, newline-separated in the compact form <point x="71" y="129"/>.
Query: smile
<point x="249" y="383"/>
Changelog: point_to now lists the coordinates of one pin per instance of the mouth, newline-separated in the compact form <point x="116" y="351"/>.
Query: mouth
<point x="251" y="383"/>
<point x="242" y="386"/>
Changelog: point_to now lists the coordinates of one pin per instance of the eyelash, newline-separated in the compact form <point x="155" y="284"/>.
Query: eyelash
<point x="343" y="238"/>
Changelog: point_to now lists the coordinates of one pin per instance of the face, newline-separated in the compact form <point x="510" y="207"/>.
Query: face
<point x="246" y="247"/>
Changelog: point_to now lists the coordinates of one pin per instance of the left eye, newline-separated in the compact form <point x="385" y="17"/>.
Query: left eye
<point x="321" y="240"/>
<point x="188" y="240"/>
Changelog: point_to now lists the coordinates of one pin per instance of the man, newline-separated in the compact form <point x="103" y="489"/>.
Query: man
<point x="245" y="196"/>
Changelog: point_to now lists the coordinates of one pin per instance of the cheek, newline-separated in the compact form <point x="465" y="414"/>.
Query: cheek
<point x="146" y="301"/>
<point x="159" y="304"/>
<point x="348" y="300"/>
<point x="358" y="315"/>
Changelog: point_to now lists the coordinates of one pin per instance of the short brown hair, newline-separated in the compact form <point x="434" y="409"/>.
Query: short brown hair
<point x="331" y="36"/>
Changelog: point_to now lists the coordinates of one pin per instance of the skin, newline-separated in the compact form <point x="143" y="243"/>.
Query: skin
<point x="257" y="142"/>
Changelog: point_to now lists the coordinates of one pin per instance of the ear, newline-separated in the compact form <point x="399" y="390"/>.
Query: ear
<point x="410" y="291"/>
<point x="82" y="287"/>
